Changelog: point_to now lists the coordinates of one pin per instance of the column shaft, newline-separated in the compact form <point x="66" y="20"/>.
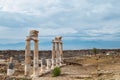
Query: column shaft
<point x="57" y="54"/>
<point x="61" y="52"/>
<point x="48" y="61"/>
<point x="53" y="55"/>
<point x="35" y="64"/>
<point x="27" y="58"/>
<point x="61" y="49"/>
<point x="53" y="50"/>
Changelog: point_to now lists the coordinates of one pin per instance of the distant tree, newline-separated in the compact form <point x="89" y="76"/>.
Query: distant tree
<point x="95" y="51"/>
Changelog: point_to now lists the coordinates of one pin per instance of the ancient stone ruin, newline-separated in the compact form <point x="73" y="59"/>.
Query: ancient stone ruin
<point x="33" y="36"/>
<point x="81" y="64"/>
<point x="56" y="55"/>
<point x="10" y="70"/>
<point x="57" y="51"/>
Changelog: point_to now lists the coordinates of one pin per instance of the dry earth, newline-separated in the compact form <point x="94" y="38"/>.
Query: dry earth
<point x="89" y="68"/>
<point x="99" y="67"/>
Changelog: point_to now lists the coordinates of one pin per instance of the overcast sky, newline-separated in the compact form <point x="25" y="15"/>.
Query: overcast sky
<point x="82" y="23"/>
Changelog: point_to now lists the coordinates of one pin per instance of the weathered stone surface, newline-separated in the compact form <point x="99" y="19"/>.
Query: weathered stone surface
<point x="43" y="61"/>
<point x="33" y="36"/>
<point x="48" y="63"/>
<point x="10" y="65"/>
<point x="34" y="33"/>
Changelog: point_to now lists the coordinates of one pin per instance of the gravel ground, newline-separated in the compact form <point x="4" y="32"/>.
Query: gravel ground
<point x="98" y="69"/>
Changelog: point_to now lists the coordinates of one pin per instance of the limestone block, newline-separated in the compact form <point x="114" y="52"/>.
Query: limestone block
<point x="48" y="64"/>
<point x="43" y="64"/>
<point x="10" y="72"/>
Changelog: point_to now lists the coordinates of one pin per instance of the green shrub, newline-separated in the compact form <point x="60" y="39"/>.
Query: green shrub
<point x="56" y="72"/>
<point x="95" y="51"/>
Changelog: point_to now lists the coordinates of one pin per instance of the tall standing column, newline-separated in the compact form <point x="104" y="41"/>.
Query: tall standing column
<point x="61" y="53"/>
<point x="35" y="64"/>
<point x="27" y="58"/>
<point x="53" y="54"/>
<point x="57" y="53"/>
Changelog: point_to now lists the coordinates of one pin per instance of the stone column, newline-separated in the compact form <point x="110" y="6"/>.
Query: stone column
<point x="35" y="60"/>
<point x="57" y="54"/>
<point x="43" y="63"/>
<point x="61" y="53"/>
<point x="53" y="54"/>
<point x="10" y="70"/>
<point x="11" y="59"/>
<point x="27" y="58"/>
<point x="48" y="61"/>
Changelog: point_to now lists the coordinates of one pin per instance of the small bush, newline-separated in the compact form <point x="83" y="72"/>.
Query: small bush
<point x="95" y="51"/>
<point x="56" y="72"/>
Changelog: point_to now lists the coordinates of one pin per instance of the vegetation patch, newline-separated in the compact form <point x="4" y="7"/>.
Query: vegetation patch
<point x="56" y="72"/>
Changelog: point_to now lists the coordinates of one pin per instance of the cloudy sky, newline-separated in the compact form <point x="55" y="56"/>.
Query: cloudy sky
<point x="83" y="24"/>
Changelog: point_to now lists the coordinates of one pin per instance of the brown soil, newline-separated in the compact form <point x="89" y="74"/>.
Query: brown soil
<point x="89" y="68"/>
<point x="99" y="67"/>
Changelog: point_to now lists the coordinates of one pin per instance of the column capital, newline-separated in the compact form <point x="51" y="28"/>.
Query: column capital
<point x="58" y="37"/>
<point x="56" y="41"/>
<point x="36" y="40"/>
<point x="53" y="41"/>
<point x="61" y="42"/>
<point x="28" y="38"/>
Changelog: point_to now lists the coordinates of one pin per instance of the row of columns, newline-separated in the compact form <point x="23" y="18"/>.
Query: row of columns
<point x="57" y="52"/>
<point x="56" y="55"/>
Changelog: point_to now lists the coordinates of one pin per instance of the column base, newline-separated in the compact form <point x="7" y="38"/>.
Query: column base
<point x="48" y="68"/>
<point x="57" y="65"/>
<point x="57" y="62"/>
<point x="42" y="71"/>
<point x="52" y="67"/>
<point x="10" y="72"/>
<point x="27" y="72"/>
<point x="60" y="64"/>
<point x="34" y="75"/>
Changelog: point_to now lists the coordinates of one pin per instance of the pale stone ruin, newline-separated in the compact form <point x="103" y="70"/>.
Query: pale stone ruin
<point x="57" y="52"/>
<point x="10" y="70"/>
<point x="56" y="56"/>
<point x="33" y="36"/>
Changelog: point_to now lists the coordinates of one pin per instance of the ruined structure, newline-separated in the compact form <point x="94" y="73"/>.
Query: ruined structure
<point x="33" y="36"/>
<point x="56" y="55"/>
<point x="10" y="70"/>
<point x="57" y="51"/>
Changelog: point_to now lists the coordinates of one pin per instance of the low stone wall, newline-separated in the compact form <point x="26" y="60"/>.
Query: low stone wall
<point x="20" y="54"/>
